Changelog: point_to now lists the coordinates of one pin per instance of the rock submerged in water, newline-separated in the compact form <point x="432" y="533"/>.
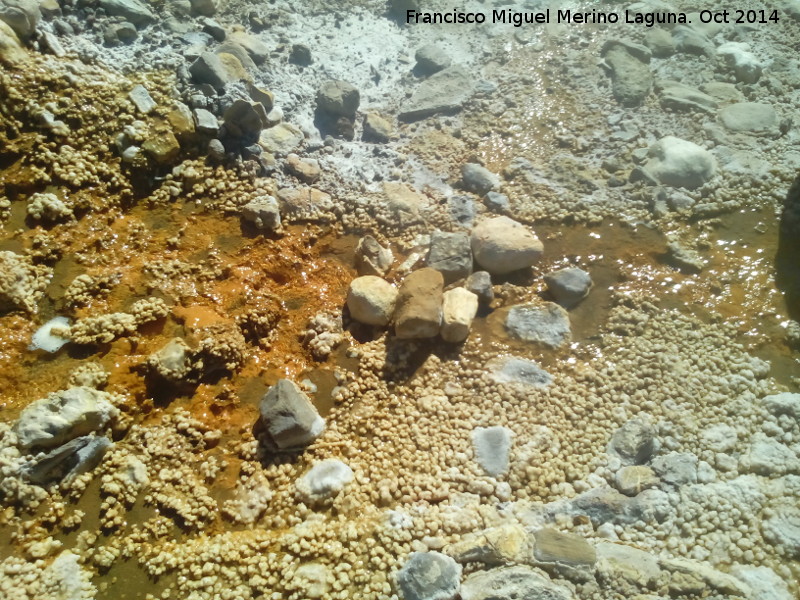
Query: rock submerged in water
<point x="371" y="258"/>
<point x="290" y="418"/>
<point x="546" y="324"/>
<point x="502" y="245"/>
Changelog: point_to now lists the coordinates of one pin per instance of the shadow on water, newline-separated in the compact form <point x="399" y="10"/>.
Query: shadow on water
<point x="787" y="258"/>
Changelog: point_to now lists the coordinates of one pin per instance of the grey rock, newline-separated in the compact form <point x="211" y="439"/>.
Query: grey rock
<point x="478" y="179"/>
<point x="749" y="117"/>
<point x="680" y="163"/>
<point x="676" y="468"/>
<point x="480" y="284"/>
<point x="257" y="50"/>
<point x="744" y="64"/>
<point x="21" y="15"/>
<point x="518" y="371"/>
<point x="205" y="122"/>
<point x="371" y="258"/>
<point x="680" y="97"/>
<point x="497" y="202"/>
<point x="290" y="418"/>
<point x="431" y="59"/>
<point x="722" y="91"/>
<point x="631" y="79"/>
<point x="429" y="576"/>
<point x="66" y="462"/>
<point x="768" y="456"/>
<point x="50" y="43"/>
<point x="216" y="151"/>
<point x="141" y="99"/>
<point x="451" y="255"/>
<point x="569" y="286"/>
<point x="338" y="98"/>
<point x="683" y="258"/>
<point x="501" y="245"/>
<point x="691" y="41"/>
<point x="679" y="202"/>
<point x="620" y="563"/>
<point x="204" y="7"/>
<point x="443" y="92"/>
<point x="134" y="11"/>
<point x="63" y="416"/>
<point x="213" y="28"/>
<point x="263" y="212"/>
<point x="238" y="52"/>
<point x="300" y="55"/>
<point x="376" y="129"/>
<point x="763" y="582"/>
<point x="604" y="505"/>
<point x="638" y="51"/>
<point x="492" y="446"/>
<point x="546" y="324"/>
<point x="208" y="68"/>
<point x="419" y="305"/>
<point x="462" y="210"/>
<point x="660" y="42"/>
<point x="507" y="583"/>
<point x="634" y="442"/>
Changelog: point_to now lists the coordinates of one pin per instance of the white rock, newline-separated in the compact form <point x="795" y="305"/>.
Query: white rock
<point x="263" y="212"/>
<point x="371" y="300"/>
<point x="680" y="163"/>
<point x="749" y="117"/>
<point x="459" y="307"/>
<point x="763" y="582"/>
<point x="502" y="245"/>
<point x="492" y="447"/>
<point x="313" y="579"/>
<point x="737" y="56"/>
<point x="45" y="339"/>
<point x="324" y="480"/>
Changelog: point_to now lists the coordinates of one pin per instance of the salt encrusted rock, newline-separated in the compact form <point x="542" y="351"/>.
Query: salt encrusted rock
<point x="782" y="529"/>
<point x="459" y="307"/>
<point x="518" y="371"/>
<point x="142" y="99"/>
<point x="162" y="146"/>
<point x="568" y="286"/>
<point x="676" y="468"/>
<point x="429" y="576"/>
<point x="208" y="68"/>
<point x="48" y="207"/>
<point x="680" y="163"/>
<point x="263" y="212"/>
<point x="63" y="416"/>
<point x="21" y="15"/>
<point x="338" y="98"/>
<point x="737" y="56"/>
<point x="478" y="179"/>
<point x="371" y="300"/>
<point x="633" y="479"/>
<point x="134" y="11"/>
<point x="504" y="544"/>
<point x="513" y="582"/>
<point x="67" y="461"/>
<point x="12" y="54"/>
<point x="431" y="59"/>
<point x="250" y="500"/>
<point x="22" y="283"/>
<point x="419" y="305"/>
<point x="617" y="562"/>
<point x="762" y="581"/>
<point x="90" y="374"/>
<point x="768" y="456"/>
<point x="291" y="419"/>
<point x="305" y="169"/>
<point x="313" y="579"/>
<point x="492" y="446"/>
<point x="785" y="403"/>
<point x="66" y="579"/>
<point x="443" y="92"/>
<point x="545" y="323"/>
<point x="501" y="245"/>
<point x="173" y="361"/>
<point x="451" y="255"/>
<point x="631" y="79"/>
<point x="634" y="442"/>
<point x="553" y="546"/>
<point x="376" y="129"/>
<point x="694" y="572"/>
<point x="325" y="480"/>
<point x="371" y="258"/>
<point x="106" y="328"/>
<point x="749" y="117"/>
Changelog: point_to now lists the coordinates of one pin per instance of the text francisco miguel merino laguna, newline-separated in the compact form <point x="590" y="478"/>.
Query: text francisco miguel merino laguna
<point x="518" y="19"/>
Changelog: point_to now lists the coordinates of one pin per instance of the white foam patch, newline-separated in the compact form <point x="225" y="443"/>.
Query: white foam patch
<point x="44" y="339"/>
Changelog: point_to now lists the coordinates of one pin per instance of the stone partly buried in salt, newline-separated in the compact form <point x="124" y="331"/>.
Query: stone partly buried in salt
<point x="459" y="307"/>
<point x="501" y="245"/>
<point x="419" y="305"/>
<point x="750" y="117"/>
<point x="66" y="462"/>
<point x="680" y="163"/>
<point x="513" y="582"/>
<point x="371" y="300"/>
<point x="492" y="447"/>
<point x="323" y="481"/>
<point x="544" y="323"/>
<point x="429" y="576"/>
<point x="518" y="371"/>
<point x="444" y="92"/>
<point x="290" y="418"/>
<point x="45" y="337"/>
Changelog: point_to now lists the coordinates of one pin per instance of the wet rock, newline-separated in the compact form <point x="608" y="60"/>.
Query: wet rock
<point x="419" y="305"/>
<point x="519" y="371"/>
<point x="744" y="64"/>
<point x="263" y="212"/>
<point x="633" y="479"/>
<point x="631" y="78"/>
<point x="22" y="16"/>
<point x="660" y="43"/>
<point x="691" y="41"/>
<point x="300" y="55"/>
<point x="451" y="255"/>
<point x="431" y="59"/>
<point x="684" y="259"/>
<point x="459" y="307"/>
<point x="281" y="139"/>
<point x="634" y="442"/>
<point x="680" y="97"/>
<point x="205" y="122"/>
<point x="134" y="11"/>
<point x="749" y="117"/>
<point x="443" y="92"/>
<point x="325" y="480"/>
<point x="289" y="416"/>
<point x="371" y="300"/>
<point x="480" y="284"/>
<point x="513" y="582"/>
<point x="553" y="546"/>
<point x="429" y="576"/>
<point x="680" y="163"/>
<point x="478" y="179"/>
<point x="208" y="68"/>
<point x="338" y="98"/>
<point x="173" y="362"/>
<point x="48" y="207"/>
<point x="546" y="324"/>
<point x="376" y="129"/>
<point x="371" y="258"/>
<point x="568" y="286"/>
<point x="501" y="245"/>
<point x="305" y="169"/>
<point x="494" y="546"/>
<point x="244" y="120"/>
<point x="163" y="147"/>
<point x="66" y="462"/>
<point x="141" y="99"/>
<point x="492" y="446"/>
<point x="63" y="416"/>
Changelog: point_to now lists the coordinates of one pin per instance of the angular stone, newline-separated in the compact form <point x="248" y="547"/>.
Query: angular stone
<point x="680" y="163"/>
<point x="205" y="122"/>
<point x="141" y="99"/>
<point x="443" y="92"/>
<point x="281" y="139"/>
<point x="431" y="59"/>
<point x="451" y="255"/>
<point x="181" y="120"/>
<point x="459" y="307"/>
<point x="678" y="96"/>
<point x="633" y="479"/>
<point x="66" y="462"/>
<point x="519" y="582"/>
<point x="501" y="245"/>
<point x="617" y="562"/>
<point x="306" y="203"/>
<point x="173" y="361"/>
<point x="419" y="305"/>
<point x="676" y="468"/>
<point x="256" y="49"/>
<point x="371" y="258"/>
<point x="290" y="418"/>
<point x="243" y="120"/>
<point x="163" y="147"/>
<point x="338" y="98"/>
<point x="306" y="170"/>
<point x="404" y="204"/>
<point x="568" y="286"/>
<point x="505" y="544"/>
<point x="371" y="300"/>
<point x="492" y="446"/>
<point x="131" y="10"/>
<point x="208" y="68"/>
<point x="744" y="64"/>
<point x="480" y="284"/>
<point x="566" y="548"/>
<point x="429" y="576"/>
<point x="634" y="442"/>
<point x="546" y="324"/>
<point x="376" y="129"/>
<point x="63" y="416"/>
<point x="691" y="41"/>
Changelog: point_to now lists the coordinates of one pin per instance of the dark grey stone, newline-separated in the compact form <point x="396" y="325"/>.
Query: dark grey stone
<point x="66" y="462"/>
<point x="480" y="284"/>
<point x="451" y="255"/>
<point x="568" y="286"/>
<point x="429" y="576"/>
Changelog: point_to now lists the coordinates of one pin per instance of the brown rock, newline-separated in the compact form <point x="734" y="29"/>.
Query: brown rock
<point x="305" y="169"/>
<point x="419" y="305"/>
<point x="567" y="548"/>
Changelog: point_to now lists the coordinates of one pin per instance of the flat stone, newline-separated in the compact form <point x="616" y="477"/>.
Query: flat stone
<point x="403" y="204"/>
<point x="504" y="544"/>
<point x="429" y="576"/>
<point x="131" y="10"/>
<point x="552" y="545"/>
<point x="290" y="418"/>
<point x="205" y="122"/>
<point x="767" y="456"/>
<point x="619" y="562"/>
<point x="785" y="403"/>
<point x="419" y="305"/>
<point x="546" y="324"/>
<point x="69" y="460"/>
<point x="492" y="446"/>
<point x="681" y="97"/>
<point x="680" y="163"/>
<point x="568" y="286"/>
<point x="716" y="580"/>
<point x="749" y="117"/>
<point x="459" y="307"/>
<point x="763" y="582"/>
<point x="508" y="583"/>
<point x="501" y="245"/>
<point x="141" y="99"/>
<point x="451" y="255"/>
<point x="443" y="92"/>
<point x="163" y="147"/>
<point x="722" y="91"/>
<point x="306" y="170"/>
<point x="633" y="479"/>
<point x="513" y="370"/>
<point x="306" y="203"/>
<point x="676" y="468"/>
<point x="371" y="300"/>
